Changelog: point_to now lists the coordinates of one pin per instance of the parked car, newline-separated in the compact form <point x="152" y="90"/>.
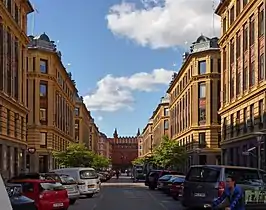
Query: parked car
<point x="175" y="188"/>
<point x="163" y="182"/>
<point x="47" y="195"/>
<point x="204" y="183"/>
<point x="153" y="176"/>
<point x="18" y="201"/>
<point x="87" y="179"/>
<point x="67" y="181"/>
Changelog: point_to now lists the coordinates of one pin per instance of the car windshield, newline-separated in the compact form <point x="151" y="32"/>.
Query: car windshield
<point x="245" y="176"/>
<point x="67" y="179"/>
<point x="203" y="174"/>
<point x="139" y="170"/>
<point x="51" y="186"/>
<point x="88" y="174"/>
<point x="178" y="179"/>
<point x="166" y="177"/>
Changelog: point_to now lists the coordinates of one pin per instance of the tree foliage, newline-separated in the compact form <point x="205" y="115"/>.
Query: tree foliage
<point x="77" y="155"/>
<point x="169" y="154"/>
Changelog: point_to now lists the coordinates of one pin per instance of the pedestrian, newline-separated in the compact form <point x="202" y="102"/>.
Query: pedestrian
<point x="232" y="197"/>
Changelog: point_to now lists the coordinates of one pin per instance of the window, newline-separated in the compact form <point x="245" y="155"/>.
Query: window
<point x="238" y="4"/>
<point x="232" y="15"/>
<point x="251" y="113"/>
<point x="232" y="125"/>
<point x="77" y="111"/>
<point x="8" y="122"/>
<point x="245" y="78"/>
<point x="244" y="176"/>
<point x="43" y="116"/>
<point x="238" y="82"/>
<point x="252" y="74"/>
<point x="261" y="68"/>
<point x="224" y="128"/>
<point x="232" y="85"/>
<point x="232" y="51"/>
<point x="245" y="119"/>
<point x="238" y="122"/>
<point x="43" y="66"/>
<point x="245" y="38"/>
<point x="76" y="124"/>
<point x="202" y="115"/>
<point x="261" y="21"/>
<point x="219" y="65"/>
<point x="27" y="187"/>
<point x="43" y="141"/>
<point x="43" y="90"/>
<point x="238" y="45"/>
<point x="202" y="90"/>
<point x="16" y="124"/>
<point x="202" y="67"/>
<point x="203" y="174"/>
<point x="261" y="110"/>
<point x="245" y="2"/>
<point x="22" y="127"/>
<point x="166" y="111"/>
<point x="224" y="25"/>
<point x="202" y="140"/>
<point x="252" y="31"/>
<point x="166" y="124"/>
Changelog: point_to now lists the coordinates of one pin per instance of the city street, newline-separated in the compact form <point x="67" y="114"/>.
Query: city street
<point x="123" y="194"/>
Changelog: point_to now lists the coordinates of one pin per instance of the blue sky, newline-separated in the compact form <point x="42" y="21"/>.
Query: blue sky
<point x="136" y="43"/>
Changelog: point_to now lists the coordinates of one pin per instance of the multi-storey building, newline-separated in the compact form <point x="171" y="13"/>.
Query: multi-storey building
<point x="124" y="150"/>
<point x="160" y="118"/>
<point x="243" y="88"/>
<point x="95" y="136"/>
<point x="51" y="101"/>
<point x="194" y="102"/>
<point x="103" y="147"/>
<point x="140" y="143"/>
<point x="83" y="121"/>
<point x="147" y="139"/>
<point x="13" y="111"/>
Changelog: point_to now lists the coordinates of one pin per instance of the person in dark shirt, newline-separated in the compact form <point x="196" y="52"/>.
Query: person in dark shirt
<point x="233" y="194"/>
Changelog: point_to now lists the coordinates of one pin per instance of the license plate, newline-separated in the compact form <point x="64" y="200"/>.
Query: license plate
<point x="169" y="184"/>
<point x="201" y="195"/>
<point x="90" y="186"/>
<point x="58" y="204"/>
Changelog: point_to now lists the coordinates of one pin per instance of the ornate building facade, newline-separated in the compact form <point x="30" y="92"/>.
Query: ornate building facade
<point x="243" y="77"/>
<point x="13" y="105"/>
<point x="124" y="150"/>
<point x="194" y="102"/>
<point x="51" y="100"/>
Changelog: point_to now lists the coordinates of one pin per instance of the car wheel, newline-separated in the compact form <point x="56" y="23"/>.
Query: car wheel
<point x="72" y="201"/>
<point x="89" y="195"/>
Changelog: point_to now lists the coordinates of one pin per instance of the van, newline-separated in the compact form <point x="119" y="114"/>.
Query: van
<point x="87" y="179"/>
<point x="204" y="183"/>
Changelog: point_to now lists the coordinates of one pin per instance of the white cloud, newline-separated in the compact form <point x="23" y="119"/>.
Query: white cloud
<point x="163" y="23"/>
<point x="114" y="93"/>
<point x="100" y="118"/>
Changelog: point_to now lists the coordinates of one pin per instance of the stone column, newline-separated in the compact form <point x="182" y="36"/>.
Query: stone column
<point x="34" y="162"/>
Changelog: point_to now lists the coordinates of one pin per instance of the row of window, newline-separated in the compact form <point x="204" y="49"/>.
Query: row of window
<point x="242" y="78"/>
<point x="9" y="64"/>
<point x="14" y="9"/>
<point x="44" y="69"/>
<point x="202" y="69"/>
<point x="13" y="123"/>
<point x="244" y="121"/>
<point x="234" y="13"/>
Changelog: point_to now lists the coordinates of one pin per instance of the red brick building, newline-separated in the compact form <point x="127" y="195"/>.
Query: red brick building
<point x="124" y="150"/>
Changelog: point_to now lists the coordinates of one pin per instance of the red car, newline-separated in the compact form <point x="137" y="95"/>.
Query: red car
<point x="48" y="195"/>
<point x="176" y="187"/>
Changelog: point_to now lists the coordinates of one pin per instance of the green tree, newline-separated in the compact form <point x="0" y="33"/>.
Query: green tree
<point x="169" y="154"/>
<point x="100" y="162"/>
<point x="76" y="155"/>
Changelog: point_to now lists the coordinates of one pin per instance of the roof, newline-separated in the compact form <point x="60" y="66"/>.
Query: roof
<point x="220" y="6"/>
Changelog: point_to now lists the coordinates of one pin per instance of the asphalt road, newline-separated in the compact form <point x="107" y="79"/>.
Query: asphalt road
<point x="122" y="194"/>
